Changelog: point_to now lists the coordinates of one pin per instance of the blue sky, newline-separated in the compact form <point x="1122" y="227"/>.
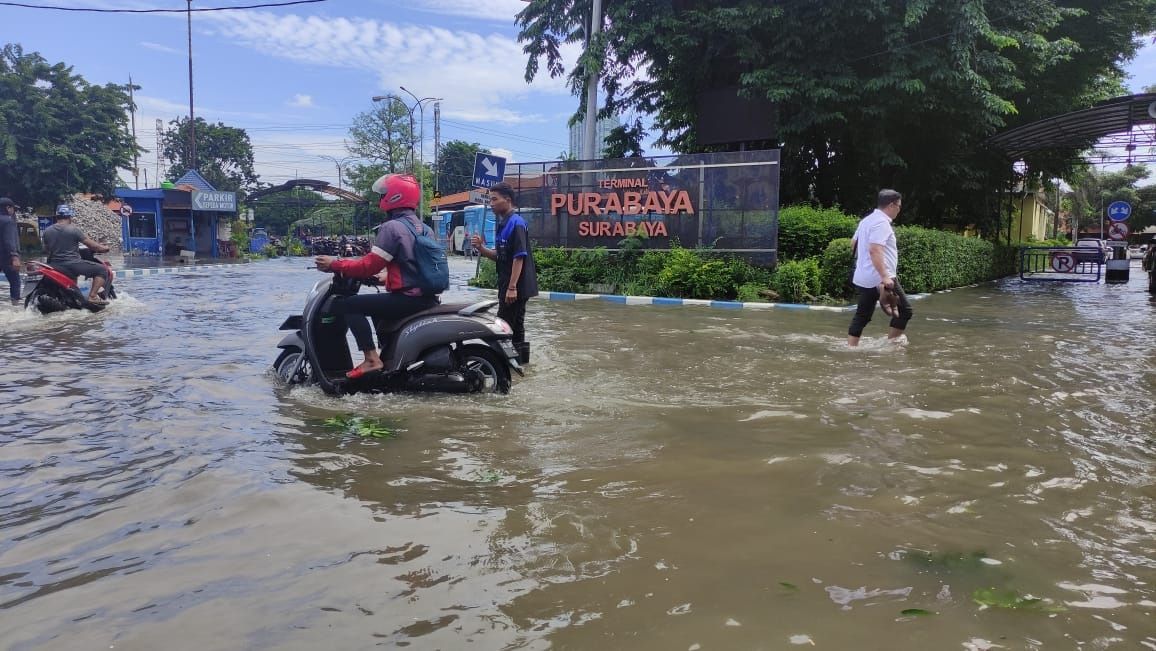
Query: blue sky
<point x="294" y="77"/>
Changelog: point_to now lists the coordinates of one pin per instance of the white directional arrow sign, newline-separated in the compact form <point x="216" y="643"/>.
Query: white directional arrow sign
<point x="488" y="170"/>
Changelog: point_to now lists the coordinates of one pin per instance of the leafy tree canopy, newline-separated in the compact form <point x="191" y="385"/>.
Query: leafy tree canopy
<point x="456" y="165"/>
<point x="384" y="136"/>
<point x="224" y="154"/>
<point x="868" y="94"/>
<point x="59" y="134"/>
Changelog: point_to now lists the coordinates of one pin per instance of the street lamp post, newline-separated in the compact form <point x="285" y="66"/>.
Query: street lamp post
<point x="419" y="159"/>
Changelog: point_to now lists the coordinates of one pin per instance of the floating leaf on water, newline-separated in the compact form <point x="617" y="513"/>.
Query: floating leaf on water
<point x="359" y="426"/>
<point x="1013" y="600"/>
<point x="487" y="476"/>
<point x="915" y="612"/>
<point x="791" y="587"/>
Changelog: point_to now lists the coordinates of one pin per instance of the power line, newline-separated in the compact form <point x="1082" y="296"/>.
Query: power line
<point x="265" y="5"/>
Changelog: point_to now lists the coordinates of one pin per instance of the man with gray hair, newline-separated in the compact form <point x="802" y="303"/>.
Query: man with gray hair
<point x="876" y="269"/>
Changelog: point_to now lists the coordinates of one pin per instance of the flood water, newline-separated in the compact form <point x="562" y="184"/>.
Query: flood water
<point x="663" y="478"/>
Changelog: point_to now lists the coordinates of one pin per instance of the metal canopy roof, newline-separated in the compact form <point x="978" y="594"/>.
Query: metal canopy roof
<point x="308" y="184"/>
<point x="1118" y="123"/>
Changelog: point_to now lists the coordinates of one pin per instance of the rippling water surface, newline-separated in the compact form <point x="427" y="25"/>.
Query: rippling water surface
<point x="663" y="478"/>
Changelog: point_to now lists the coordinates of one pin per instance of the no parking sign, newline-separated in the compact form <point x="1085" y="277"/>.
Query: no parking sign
<point x="1063" y="263"/>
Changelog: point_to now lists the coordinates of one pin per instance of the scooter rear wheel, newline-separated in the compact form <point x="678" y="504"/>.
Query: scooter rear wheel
<point x="483" y="365"/>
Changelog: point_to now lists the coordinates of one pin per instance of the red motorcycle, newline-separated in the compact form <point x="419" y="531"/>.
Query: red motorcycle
<point x="55" y="291"/>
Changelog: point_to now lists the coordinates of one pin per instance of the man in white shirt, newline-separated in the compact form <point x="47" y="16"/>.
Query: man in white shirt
<point x="876" y="267"/>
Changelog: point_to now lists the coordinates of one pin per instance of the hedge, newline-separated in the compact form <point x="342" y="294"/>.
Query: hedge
<point x="815" y="264"/>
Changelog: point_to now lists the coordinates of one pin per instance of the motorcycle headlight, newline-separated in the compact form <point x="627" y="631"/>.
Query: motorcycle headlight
<point x="500" y="327"/>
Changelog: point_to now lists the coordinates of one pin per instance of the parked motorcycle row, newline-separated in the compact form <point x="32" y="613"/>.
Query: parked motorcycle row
<point x="341" y="247"/>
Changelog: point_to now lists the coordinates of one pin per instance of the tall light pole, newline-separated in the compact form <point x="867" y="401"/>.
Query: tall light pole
<point x="340" y="163"/>
<point x="590" y="132"/>
<point x="419" y="104"/>
<point x="192" y="120"/>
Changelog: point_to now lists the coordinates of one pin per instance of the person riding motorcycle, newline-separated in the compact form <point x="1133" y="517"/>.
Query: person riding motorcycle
<point x="394" y="252"/>
<point x="62" y="242"/>
<point x="10" y="247"/>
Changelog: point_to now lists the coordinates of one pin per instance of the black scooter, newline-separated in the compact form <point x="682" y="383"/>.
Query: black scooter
<point x="451" y="348"/>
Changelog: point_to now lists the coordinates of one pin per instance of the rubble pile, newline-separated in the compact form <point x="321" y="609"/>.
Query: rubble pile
<point x="97" y="222"/>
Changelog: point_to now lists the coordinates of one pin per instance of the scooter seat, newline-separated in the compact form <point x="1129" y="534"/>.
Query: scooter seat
<point x="445" y="308"/>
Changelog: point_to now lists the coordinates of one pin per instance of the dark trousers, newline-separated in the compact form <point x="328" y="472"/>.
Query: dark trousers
<point x="868" y="298"/>
<point x="387" y="307"/>
<point x="13" y="276"/>
<point x="85" y="268"/>
<point x="515" y="314"/>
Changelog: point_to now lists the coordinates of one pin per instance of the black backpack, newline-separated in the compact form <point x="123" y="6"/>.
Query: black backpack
<point x="433" y="268"/>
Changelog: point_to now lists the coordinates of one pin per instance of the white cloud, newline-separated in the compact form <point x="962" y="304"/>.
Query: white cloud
<point x="159" y="48"/>
<point x="480" y="77"/>
<point x="503" y="153"/>
<point x="495" y="10"/>
<point x="301" y="101"/>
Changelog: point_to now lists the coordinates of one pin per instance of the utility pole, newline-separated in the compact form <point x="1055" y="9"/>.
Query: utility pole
<point x="192" y="119"/>
<point x="589" y="136"/>
<point x="160" y="134"/>
<point x="135" y="155"/>
<point x="437" y="144"/>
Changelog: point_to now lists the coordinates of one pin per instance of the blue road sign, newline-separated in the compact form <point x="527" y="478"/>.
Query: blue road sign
<point x="488" y="170"/>
<point x="1119" y="211"/>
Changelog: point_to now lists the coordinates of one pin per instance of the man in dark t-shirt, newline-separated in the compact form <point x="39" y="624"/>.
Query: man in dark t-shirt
<point x="10" y="247"/>
<point x="62" y="242"/>
<point x="517" y="274"/>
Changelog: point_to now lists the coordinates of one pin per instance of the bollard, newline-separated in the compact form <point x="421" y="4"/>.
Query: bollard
<point x="1118" y="265"/>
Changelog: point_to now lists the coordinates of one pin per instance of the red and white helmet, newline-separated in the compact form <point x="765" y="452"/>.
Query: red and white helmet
<point x="397" y="191"/>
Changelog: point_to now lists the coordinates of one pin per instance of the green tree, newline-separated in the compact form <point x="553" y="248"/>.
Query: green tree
<point x="456" y="165"/>
<point x="867" y="94"/>
<point x="224" y="154"/>
<point x="383" y="135"/>
<point x="624" y="141"/>
<point x="59" y="134"/>
<point x="1093" y="190"/>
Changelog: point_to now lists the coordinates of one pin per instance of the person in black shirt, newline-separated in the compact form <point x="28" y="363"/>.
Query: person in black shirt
<point x="517" y="275"/>
<point x="10" y="247"/>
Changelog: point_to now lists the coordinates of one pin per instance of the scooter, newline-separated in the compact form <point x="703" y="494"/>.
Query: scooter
<point x="455" y="348"/>
<point x="55" y="291"/>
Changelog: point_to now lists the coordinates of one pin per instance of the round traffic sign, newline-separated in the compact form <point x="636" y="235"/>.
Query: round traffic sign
<point x="1063" y="263"/>
<point x="1118" y="231"/>
<point x="1118" y="211"/>
<point x="125" y="210"/>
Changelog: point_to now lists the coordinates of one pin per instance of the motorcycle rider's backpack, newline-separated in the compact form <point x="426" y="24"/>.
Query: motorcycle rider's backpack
<point x="433" y="268"/>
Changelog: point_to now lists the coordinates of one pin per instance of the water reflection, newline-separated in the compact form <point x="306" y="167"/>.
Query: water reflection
<point x="664" y="478"/>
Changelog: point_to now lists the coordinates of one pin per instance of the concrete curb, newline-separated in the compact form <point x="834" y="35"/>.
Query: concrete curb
<point x="156" y="271"/>
<point x="680" y="302"/>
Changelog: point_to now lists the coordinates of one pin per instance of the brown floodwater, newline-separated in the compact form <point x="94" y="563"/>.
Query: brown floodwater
<point x="663" y="478"/>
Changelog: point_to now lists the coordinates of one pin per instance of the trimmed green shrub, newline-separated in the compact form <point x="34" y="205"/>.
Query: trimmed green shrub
<point x="797" y="281"/>
<point x="835" y="268"/>
<point x="487" y="276"/>
<point x="805" y="231"/>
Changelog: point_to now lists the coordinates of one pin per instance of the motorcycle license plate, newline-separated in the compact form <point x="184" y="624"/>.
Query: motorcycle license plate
<point x="508" y="346"/>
